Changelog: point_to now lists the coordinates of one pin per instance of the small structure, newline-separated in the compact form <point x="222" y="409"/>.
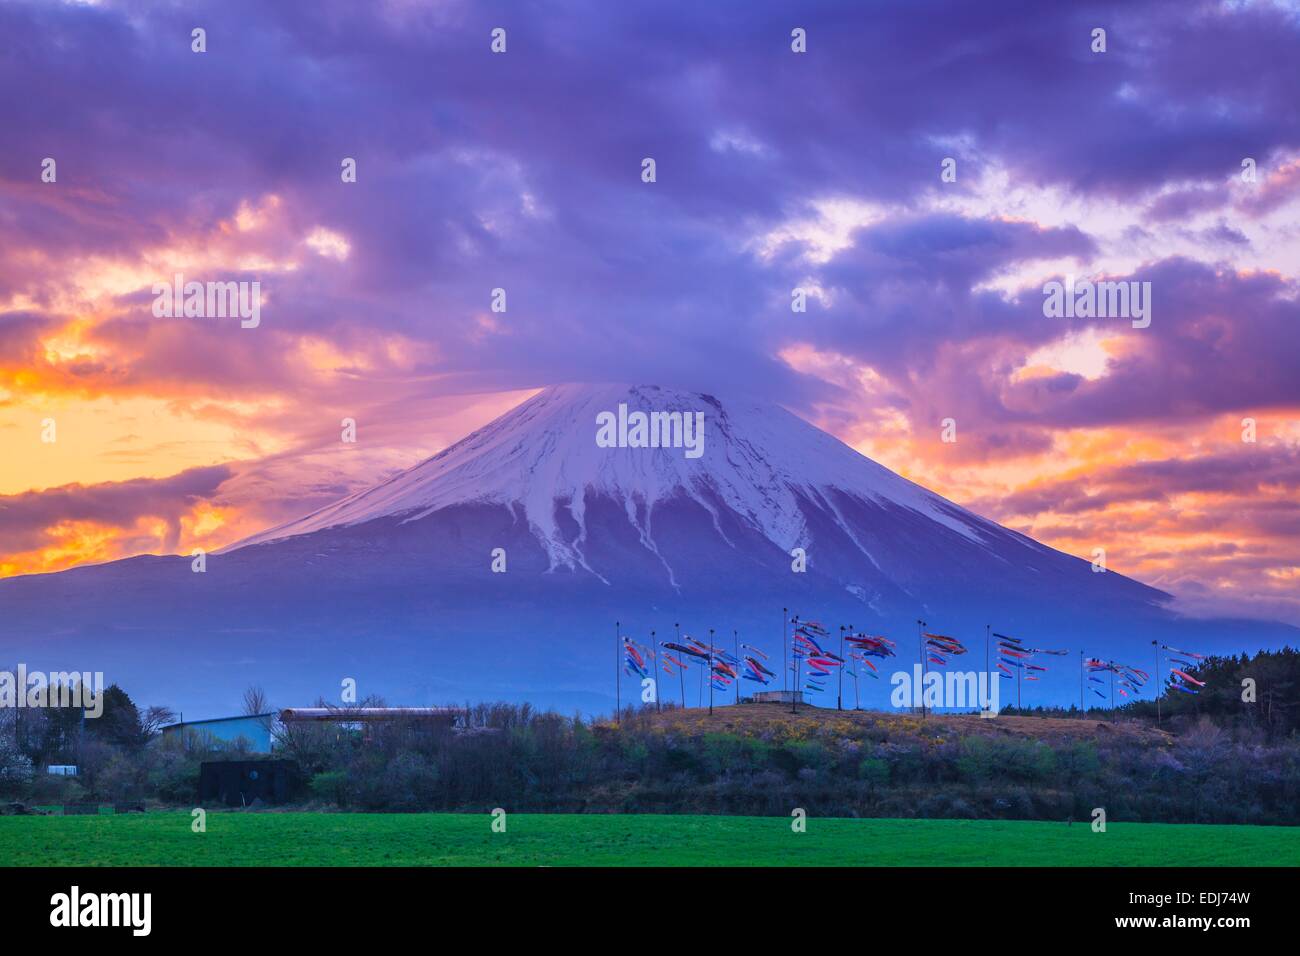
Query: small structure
<point x="778" y="697"/>
<point x="253" y="729"/>
<point x="238" y="783"/>
<point x="62" y="770"/>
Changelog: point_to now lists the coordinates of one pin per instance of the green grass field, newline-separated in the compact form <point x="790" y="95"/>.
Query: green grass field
<point x="442" y="839"/>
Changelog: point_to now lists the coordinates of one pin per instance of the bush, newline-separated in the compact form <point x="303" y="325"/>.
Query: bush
<point x="405" y="784"/>
<point x="175" y="779"/>
<point x="331" y="785"/>
<point x="51" y="790"/>
<point x="874" y="772"/>
<point x="807" y="754"/>
<point x="15" y="768"/>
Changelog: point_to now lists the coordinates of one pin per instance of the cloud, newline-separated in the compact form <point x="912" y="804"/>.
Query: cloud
<point x="26" y="518"/>
<point x="522" y="171"/>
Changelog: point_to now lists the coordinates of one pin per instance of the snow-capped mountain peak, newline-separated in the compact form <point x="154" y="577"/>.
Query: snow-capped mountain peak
<point x="759" y="461"/>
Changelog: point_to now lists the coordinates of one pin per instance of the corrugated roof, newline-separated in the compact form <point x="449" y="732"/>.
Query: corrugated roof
<point x="216" y="720"/>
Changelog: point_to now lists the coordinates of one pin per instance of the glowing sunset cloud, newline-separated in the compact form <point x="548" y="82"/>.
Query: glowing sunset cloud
<point x="1176" y="447"/>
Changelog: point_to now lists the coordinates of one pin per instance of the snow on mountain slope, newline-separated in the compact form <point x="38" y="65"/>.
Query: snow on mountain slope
<point x="759" y="461"/>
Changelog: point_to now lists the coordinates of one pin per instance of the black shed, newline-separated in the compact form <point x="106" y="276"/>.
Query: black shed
<point x="238" y="783"/>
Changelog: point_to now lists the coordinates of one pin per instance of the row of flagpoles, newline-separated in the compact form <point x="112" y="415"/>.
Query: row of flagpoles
<point x="806" y="657"/>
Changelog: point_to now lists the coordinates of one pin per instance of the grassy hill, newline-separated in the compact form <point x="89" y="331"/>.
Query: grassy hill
<point x="775" y="721"/>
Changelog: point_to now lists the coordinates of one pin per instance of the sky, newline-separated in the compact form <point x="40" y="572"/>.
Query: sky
<point x="775" y="170"/>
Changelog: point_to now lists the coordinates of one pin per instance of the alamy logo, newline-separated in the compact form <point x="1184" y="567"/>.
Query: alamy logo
<point x="956" y="689"/>
<point x="210" y="300"/>
<point x="36" y="689"/>
<point x="102" y="909"/>
<point x="1101" y="300"/>
<point x="651" y="430"/>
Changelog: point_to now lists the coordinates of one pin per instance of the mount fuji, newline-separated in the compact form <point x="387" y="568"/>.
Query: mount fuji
<point x="497" y="568"/>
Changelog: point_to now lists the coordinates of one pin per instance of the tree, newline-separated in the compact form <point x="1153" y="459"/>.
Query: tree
<point x="15" y="766"/>
<point x="119" y="724"/>
<point x="255" y="701"/>
<point x="154" y="719"/>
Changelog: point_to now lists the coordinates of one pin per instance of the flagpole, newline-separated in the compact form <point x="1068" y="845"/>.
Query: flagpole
<point x="839" y="695"/>
<point x="681" y="671"/>
<point x="785" y="669"/>
<point x="1157" y="688"/>
<point x="1081" y="710"/>
<point x="710" y="675"/>
<point x="699" y="701"/>
<point x="654" y="649"/>
<point x="735" y="640"/>
<point x="920" y="640"/>
<point x="849" y="628"/>
<point x="1112" y="692"/>
<point x="794" y="694"/>
<point x="618" y="669"/>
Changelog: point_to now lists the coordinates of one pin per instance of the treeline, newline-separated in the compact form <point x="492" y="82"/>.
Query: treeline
<point x="1270" y="679"/>
<point x="512" y="756"/>
<point x="116" y="754"/>
<point x="1244" y="693"/>
<point x="1221" y="762"/>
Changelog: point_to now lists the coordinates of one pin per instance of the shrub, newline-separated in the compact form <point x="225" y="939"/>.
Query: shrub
<point x="405" y="784"/>
<point x="807" y="754"/>
<point x="330" y="785"/>
<point x="874" y="772"/>
<point x="175" y="779"/>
